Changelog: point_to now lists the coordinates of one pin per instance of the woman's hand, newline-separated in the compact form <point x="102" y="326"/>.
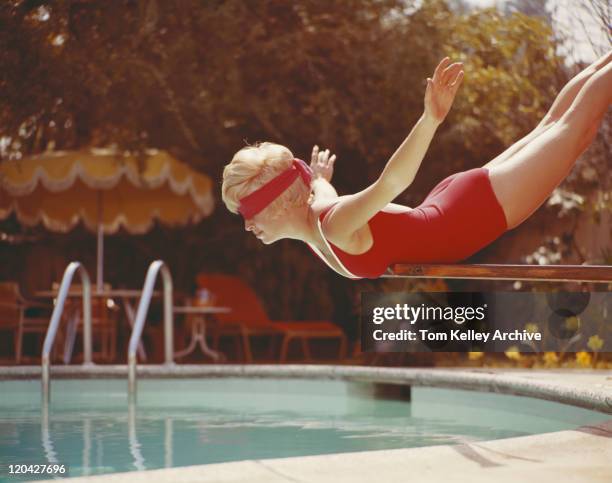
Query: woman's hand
<point x="322" y="164"/>
<point x="441" y="90"/>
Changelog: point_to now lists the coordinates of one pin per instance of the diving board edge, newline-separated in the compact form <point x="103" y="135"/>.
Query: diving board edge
<point x="543" y="273"/>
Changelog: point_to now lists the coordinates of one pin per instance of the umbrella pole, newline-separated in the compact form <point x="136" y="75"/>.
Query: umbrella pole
<point x="100" y="258"/>
<point x="100" y="254"/>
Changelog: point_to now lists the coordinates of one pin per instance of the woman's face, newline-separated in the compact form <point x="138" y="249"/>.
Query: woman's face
<point x="265" y="227"/>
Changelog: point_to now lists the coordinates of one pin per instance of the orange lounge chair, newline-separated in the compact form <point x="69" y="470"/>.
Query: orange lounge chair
<point x="249" y="318"/>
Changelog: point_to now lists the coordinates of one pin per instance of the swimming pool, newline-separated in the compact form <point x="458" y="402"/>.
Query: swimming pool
<point x="90" y="426"/>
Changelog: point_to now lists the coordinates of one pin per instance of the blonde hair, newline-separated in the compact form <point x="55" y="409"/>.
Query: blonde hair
<point x="254" y="166"/>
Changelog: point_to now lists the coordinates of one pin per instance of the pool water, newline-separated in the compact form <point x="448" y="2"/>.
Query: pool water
<point x="90" y="426"/>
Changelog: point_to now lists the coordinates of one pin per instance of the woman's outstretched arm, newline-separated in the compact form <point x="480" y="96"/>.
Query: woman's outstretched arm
<point x="402" y="167"/>
<point x="353" y="212"/>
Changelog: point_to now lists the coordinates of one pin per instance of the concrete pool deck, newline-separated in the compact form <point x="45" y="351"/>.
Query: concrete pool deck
<point x="580" y="455"/>
<point x="583" y="455"/>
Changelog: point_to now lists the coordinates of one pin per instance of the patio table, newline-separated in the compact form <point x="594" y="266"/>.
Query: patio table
<point x="198" y="329"/>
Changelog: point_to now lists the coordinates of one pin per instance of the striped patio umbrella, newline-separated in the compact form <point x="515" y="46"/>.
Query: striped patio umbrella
<point x="105" y="190"/>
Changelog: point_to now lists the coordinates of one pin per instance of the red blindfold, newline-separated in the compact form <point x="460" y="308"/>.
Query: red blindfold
<point x="256" y="201"/>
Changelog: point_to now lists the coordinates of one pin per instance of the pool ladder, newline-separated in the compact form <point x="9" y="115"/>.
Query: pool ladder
<point x="143" y="307"/>
<point x="55" y="321"/>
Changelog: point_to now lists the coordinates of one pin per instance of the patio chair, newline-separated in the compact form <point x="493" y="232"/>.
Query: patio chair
<point x="248" y="318"/>
<point x="17" y="316"/>
<point x="103" y="324"/>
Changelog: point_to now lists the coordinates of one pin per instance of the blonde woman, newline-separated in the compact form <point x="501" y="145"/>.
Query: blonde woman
<point x="360" y="235"/>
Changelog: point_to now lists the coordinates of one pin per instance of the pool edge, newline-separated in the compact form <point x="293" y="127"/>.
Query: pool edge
<point x="585" y="389"/>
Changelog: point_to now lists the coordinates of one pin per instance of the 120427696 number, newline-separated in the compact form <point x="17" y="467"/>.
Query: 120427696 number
<point x="38" y="469"/>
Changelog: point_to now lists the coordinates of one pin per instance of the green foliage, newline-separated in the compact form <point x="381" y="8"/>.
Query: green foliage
<point x="513" y="74"/>
<point x="200" y="77"/>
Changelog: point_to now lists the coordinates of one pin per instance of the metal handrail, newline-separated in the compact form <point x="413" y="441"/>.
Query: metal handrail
<point x="143" y="308"/>
<point x="56" y="317"/>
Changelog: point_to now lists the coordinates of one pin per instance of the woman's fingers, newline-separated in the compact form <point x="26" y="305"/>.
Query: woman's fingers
<point x="322" y="157"/>
<point x="437" y="77"/>
<point x="457" y="82"/>
<point x="315" y="153"/>
<point x="450" y="73"/>
<point x="319" y="156"/>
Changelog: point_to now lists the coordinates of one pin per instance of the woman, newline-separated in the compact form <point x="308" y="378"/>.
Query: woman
<point x="360" y="235"/>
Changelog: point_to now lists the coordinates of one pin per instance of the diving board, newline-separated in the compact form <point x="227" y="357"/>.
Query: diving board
<point x="543" y="273"/>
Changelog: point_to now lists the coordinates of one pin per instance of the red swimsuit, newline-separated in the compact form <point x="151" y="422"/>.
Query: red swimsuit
<point x="458" y="217"/>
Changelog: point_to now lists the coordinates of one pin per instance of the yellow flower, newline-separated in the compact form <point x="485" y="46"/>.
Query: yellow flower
<point x="531" y="328"/>
<point x="595" y="343"/>
<point x="474" y="356"/>
<point x="584" y="359"/>
<point x="513" y="353"/>
<point x="572" y="323"/>
<point x="550" y="358"/>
